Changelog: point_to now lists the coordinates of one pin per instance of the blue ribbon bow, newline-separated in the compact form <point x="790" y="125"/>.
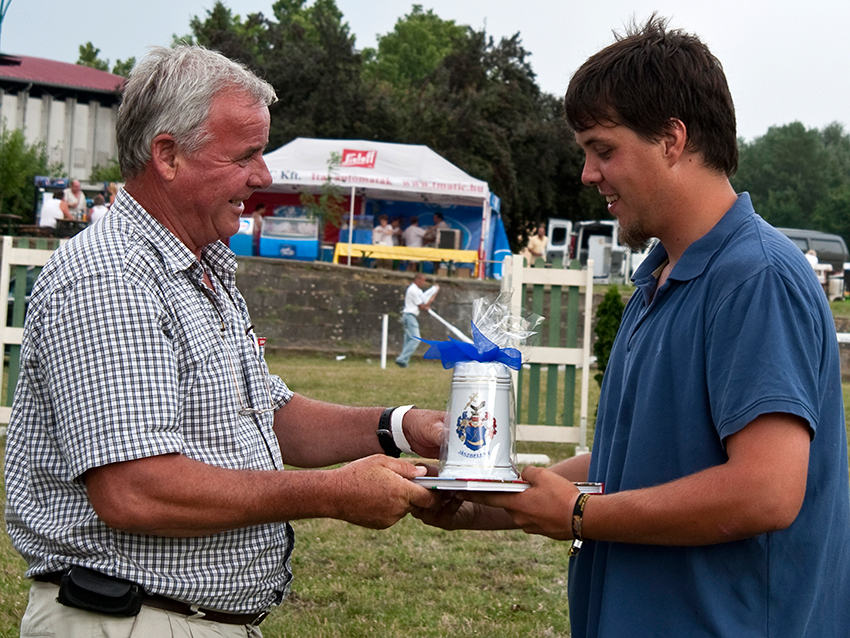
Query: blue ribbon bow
<point x="454" y="351"/>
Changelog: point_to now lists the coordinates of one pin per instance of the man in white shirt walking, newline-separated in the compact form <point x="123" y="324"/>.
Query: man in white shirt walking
<point x="415" y="300"/>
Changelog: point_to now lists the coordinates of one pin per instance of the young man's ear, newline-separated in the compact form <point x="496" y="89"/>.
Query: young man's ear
<point x="674" y="139"/>
<point x="164" y="156"/>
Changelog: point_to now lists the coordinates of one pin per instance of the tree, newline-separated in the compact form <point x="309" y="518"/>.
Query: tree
<point x="787" y="172"/>
<point x="111" y="172"/>
<point x="90" y="57"/>
<point x="413" y="50"/>
<point x="832" y="213"/>
<point x="798" y="177"/>
<point x="307" y="54"/>
<point x="481" y="109"/>
<point x="123" y="67"/>
<point x="329" y="203"/>
<point x="19" y="164"/>
<point x="222" y="31"/>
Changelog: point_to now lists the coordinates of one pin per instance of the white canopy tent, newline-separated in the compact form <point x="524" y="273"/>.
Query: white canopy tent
<point x="378" y="170"/>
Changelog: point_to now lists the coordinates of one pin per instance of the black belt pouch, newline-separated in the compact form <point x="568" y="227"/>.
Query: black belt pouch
<point x="90" y="590"/>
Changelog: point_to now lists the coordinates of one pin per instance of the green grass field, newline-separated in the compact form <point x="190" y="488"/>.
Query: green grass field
<point x="410" y="580"/>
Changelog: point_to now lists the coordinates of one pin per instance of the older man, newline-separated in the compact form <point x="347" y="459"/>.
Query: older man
<point x="76" y="200"/>
<point x="145" y="454"/>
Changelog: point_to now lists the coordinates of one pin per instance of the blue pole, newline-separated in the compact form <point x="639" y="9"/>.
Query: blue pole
<point x="4" y="6"/>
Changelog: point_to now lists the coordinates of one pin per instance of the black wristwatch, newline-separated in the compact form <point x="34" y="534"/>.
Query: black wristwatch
<point x="385" y="434"/>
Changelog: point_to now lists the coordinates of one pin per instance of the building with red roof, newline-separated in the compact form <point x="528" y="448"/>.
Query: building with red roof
<point x="70" y="107"/>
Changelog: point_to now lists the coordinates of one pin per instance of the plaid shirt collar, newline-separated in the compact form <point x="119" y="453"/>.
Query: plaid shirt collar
<point x="176" y="256"/>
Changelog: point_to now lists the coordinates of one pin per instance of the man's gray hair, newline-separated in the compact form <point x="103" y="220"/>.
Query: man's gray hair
<point x="171" y="91"/>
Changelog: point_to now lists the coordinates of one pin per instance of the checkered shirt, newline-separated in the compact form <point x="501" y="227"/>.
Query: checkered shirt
<point x="127" y="355"/>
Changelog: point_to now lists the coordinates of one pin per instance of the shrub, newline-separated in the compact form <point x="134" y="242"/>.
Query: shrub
<point x="20" y="162"/>
<point x="608" y="317"/>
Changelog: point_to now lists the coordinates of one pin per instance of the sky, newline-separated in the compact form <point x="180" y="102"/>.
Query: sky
<point x="785" y="61"/>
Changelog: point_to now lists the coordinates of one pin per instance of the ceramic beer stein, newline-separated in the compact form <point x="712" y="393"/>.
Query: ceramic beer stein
<point x="480" y="432"/>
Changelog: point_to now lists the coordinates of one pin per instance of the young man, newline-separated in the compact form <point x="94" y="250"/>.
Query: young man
<point x="416" y="300"/>
<point x="146" y="447"/>
<point x="720" y="434"/>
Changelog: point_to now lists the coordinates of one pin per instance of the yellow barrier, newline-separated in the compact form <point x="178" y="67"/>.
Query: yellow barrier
<point x="403" y="253"/>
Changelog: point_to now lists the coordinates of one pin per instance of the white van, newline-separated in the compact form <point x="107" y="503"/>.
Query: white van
<point x="597" y="240"/>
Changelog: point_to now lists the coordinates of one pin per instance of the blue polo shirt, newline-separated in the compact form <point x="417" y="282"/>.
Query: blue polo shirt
<point x="741" y="328"/>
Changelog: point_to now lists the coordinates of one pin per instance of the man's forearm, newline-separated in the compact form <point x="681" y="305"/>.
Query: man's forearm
<point x="574" y="468"/>
<point x="759" y="489"/>
<point x="172" y="495"/>
<point x="317" y="434"/>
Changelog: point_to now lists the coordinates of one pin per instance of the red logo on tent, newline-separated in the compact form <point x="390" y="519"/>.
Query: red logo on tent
<point x="360" y="159"/>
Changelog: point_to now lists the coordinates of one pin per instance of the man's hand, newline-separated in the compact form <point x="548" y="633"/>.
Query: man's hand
<point x="376" y="492"/>
<point x="544" y="508"/>
<point x="450" y="512"/>
<point x="423" y="429"/>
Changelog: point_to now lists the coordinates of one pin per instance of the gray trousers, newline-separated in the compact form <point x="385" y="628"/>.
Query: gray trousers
<point x="411" y="338"/>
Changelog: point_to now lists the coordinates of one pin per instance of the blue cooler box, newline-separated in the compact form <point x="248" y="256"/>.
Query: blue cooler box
<point x="242" y="243"/>
<point x="362" y="234"/>
<point x="290" y="238"/>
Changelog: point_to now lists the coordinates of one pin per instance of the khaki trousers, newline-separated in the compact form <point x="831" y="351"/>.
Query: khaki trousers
<point x="46" y="618"/>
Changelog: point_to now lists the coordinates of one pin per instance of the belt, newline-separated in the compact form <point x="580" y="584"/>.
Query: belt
<point x="169" y="604"/>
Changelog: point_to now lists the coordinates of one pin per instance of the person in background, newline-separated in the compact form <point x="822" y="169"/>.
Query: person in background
<point x="440" y="222"/>
<point x="382" y="234"/>
<point x="258" y="216"/>
<point x="411" y="237"/>
<point x="720" y="434"/>
<point x="98" y="210"/>
<point x="76" y="200"/>
<point x="430" y="237"/>
<point x="416" y="300"/>
<point x="156" y="501"/>
<point x="395" y="223"/>
<point x="413" y="234"/>
<point x="536" y="247"/>
<point x="112" y="191"/>
<point x="52" y="210"/>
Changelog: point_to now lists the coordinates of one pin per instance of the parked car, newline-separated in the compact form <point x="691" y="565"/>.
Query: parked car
<point x="830" y="249"/>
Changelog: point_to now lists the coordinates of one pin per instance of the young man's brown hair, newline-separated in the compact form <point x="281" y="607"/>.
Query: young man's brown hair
<point x="651" y="75"/>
